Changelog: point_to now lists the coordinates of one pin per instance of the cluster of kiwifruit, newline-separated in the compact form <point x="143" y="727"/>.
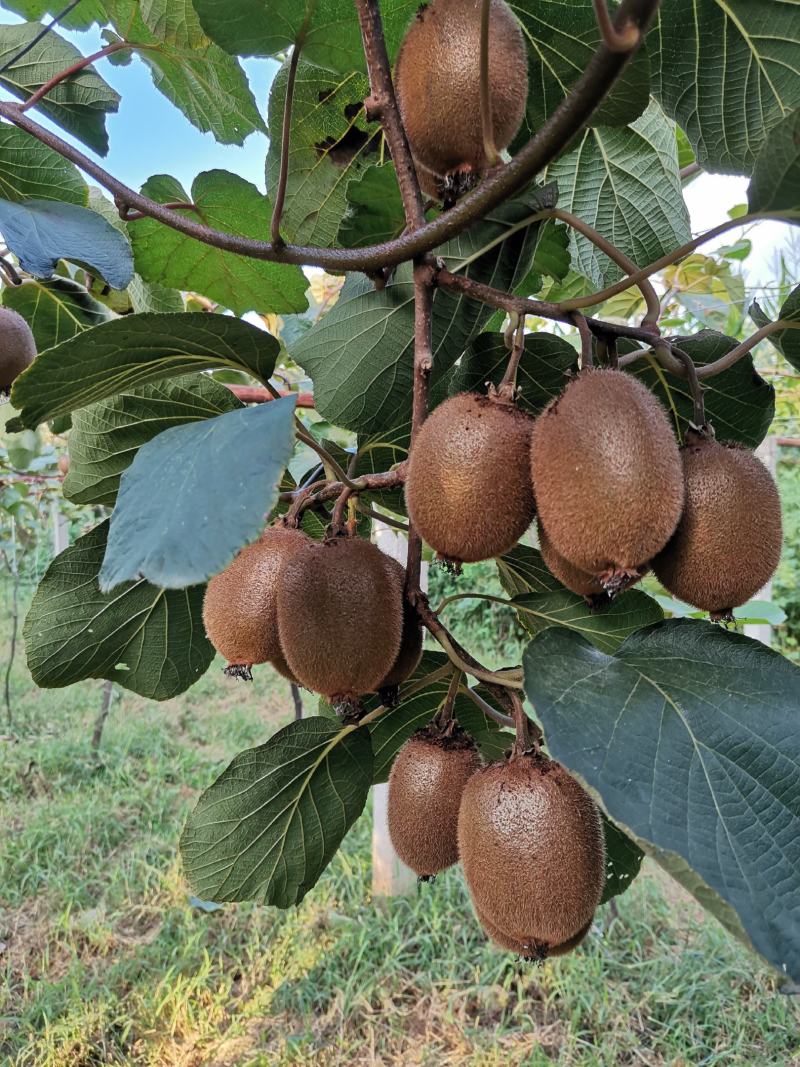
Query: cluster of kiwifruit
<point x="529" y="837"/>
<point x="330" y="615"/>
<point x="614" y="494"/>
<point x="17" y="348"/>
<point x="437" y="77"/>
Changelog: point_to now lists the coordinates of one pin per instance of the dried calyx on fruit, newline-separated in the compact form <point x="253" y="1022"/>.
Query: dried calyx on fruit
<point x="532" y="846"/>
<point x="468" y="487"/>
<point x="425" y="787"/>
<point x="340" y="617"/>
<point x="437" y="77"/>
<point x="240" y="607"/>
<point x="607" y="476"/>
<point x="410" y="643"/>
<point x="17" y="348"/>
<point x="728" y="543"/>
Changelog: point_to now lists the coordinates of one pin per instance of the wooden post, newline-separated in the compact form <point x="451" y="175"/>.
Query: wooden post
<point x="767" y="452"/>
<point x="390" y="876"/>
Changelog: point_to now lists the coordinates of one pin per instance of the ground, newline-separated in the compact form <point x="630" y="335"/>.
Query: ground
<point x="108" y="960"/>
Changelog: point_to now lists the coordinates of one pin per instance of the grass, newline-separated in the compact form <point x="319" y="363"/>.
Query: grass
<point x="107" y="960"/>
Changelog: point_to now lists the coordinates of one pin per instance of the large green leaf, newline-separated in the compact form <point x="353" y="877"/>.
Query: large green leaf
<point x="523" y="571"/>
<point x="269" y="825"/>
<point x="79" y="104"/>
<point x="625" y="183"/>
<point x="196" y="494"/>
<point x="55" y="310"/>
<point x="132" y="351"/>
<point x="727" y="71"/>
<point x="145" y="639"/>
<point x="623" y="861"/>
<point x="361" y="354"/>
<point x="207" y="84"/>
<point x="776" y="178"/>
<point x="225" y="202"/>
<point x="80" y="18"/>
<point x="31" y="171"/>
<point x="105" y="437"/>
<point x="689" y="735"/>
<point x="374" y="209"/>
<point x="41" y="232"/>
<point x="332" y="37"/>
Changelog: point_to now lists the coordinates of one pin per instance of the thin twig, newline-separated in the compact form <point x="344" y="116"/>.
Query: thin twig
<point x="695" y="387"/>
<point x="286" y="138"/>
<point x="622" y="38"/>
<point x="423" y="365"/>
<point x="486" y="707"/>
<point x="40" y="36"/>
<point x="508" y="383"/>
<point x="68" y="72"/>
<point x="487" y="123"/>
<point x="10" y="272"/>
<point x="689" y="171"/>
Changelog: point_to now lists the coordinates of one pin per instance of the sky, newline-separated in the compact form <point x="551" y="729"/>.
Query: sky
<point x="150" y="136"/>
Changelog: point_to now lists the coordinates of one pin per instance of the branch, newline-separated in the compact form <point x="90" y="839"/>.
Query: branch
<point x="735" y="354"/>
<point x="323" y="491"/>
<point x="621" y="38"/>
<point x="689" y="171"/>
<point x="424" y="282"/>
<point x="487" y="125"/>
<point x="286" y="137"/>
<point x="63" y="75"/>
<point x="253" y="394"/>
<point x="486" y="707"/>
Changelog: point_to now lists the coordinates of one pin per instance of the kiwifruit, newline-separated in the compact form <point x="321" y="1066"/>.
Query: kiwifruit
<point x="607" y="476"/>
<point x="468" y="486"/>
<point x="17" y="347"/>
<point x="532" y="846"/>
<point x="425" y="787"/>
<point x="531" y="951"/>
<point x="576" y="580"/>
<point x="240" y="606"/>
<point x="340" y="616"/>
<point x="728" y="543"/>
<point x="410" y="640"/>
<point x="437" y="77"/>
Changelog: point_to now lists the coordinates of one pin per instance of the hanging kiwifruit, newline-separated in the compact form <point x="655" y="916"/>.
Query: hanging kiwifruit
<point x="17" y="347"/>
<point x="240" y="606"/>
<point x="574" y="579"/>
<point x="607" y="476"/>
<point x="410" y="641"/>
<point x="340" y="616"/>
<point x="425" y="787"/>
<point x="728" y="543"/>
<point x="437" y="77"/>
<point x="468" y="486"/>
<point x="532" y="846"/>
<point x="530" y="951"/>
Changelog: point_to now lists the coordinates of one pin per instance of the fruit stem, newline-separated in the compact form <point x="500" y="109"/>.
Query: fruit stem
<point x="486" y="707"/>
<point x="507" y="388"/>
<point x="338" y="525"/>
<point x="493" y="157"/>
<point x="622" y="39"/>
<point x="582" y="326"/>
<point x="524" y="742"/>
<point x="445" y="714"/>
<point x="697" y="390"/>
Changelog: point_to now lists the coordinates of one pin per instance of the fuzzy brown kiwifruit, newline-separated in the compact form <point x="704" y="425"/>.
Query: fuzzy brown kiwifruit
<point x="340" y="617"/>
<point x="437" y="77"/>
<point x="532" y="846"/>
<point x="240" y="606"/>
<point x="17" y="348"/>
<point x="534" y="951"/>
<point x="468" y="486"/>
<point x="410" y="640"/>
<point x="425" y="787"/>
<point x="728" y="543"/>
<point x="573" y="578"/>
<point x="607" y="476"/>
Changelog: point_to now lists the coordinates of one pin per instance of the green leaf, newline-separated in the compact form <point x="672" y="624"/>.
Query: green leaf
<point x="776" y="178"/>
<point x="31" y="171"/>
<point x="623" y="861"/>
<point x="522" y="571"/>
<point x="562" y="36"/>
<point x="55" y="310"/>
<point x="152" y="296"/>
<point x="544" y="369"/>
<point x="134" y="350"/>
<point x="145" y="639"/>
<point x="606" y="627"/>
<point x="332" y="38"/>
<point x="727" y="71"/>
<point x="40" y="232"/>
<point x="739" y="403"/>
<point x="80" y="18"/>
<point x="624" y="183"/>
<point x="787" y="342"/>
<point x="208" y="86"/>
<point x="360" y="355"/>
<point x="79" y="104"/>
<point x="270" y="824"/>
<point x="225" y="202"/>
<point x="375" y="209"/>
<point x="688" y="734"/>
<point x="105" y="437"/>
<point x="228" y="467"/>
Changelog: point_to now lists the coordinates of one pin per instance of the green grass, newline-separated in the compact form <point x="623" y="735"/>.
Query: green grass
<point x="106" y="960"/>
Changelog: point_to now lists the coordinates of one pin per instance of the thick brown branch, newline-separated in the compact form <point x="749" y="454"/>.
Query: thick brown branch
<point x="256" y="394"/>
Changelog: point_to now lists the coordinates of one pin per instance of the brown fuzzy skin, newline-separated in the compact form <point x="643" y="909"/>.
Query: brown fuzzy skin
<point x="531" y="951"/>
<point x="437" y="78"/>
<point x="532" y="847"/>
<point x="574" y="579"/>
<point x="425" y="787"/>
<point x="468" y="486"/>
<point x="607" y="474"/>
<point x="17" y="347"/>
<point x="729" y="541"/>
<point x="340" y="617"/>
<point x="240" y="607"/>
<point x="410" y="640"/>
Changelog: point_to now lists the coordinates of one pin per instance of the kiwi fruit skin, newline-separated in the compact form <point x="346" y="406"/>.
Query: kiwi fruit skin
<point x="340" y="617"/>
<point x="574" y="579"/>
<point x="532" y="846"/>
<point x="468" y="487"/>
<point x="531" y="951"/>
<point x="240" y="606"/>
<point x="607" y="475"/>
<point x="728" y="544"/>
<point x="17" y="347"/>
<point x="437" y="78"/>
<point x="425" y="787"/>
<point x="411" y="637"/>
